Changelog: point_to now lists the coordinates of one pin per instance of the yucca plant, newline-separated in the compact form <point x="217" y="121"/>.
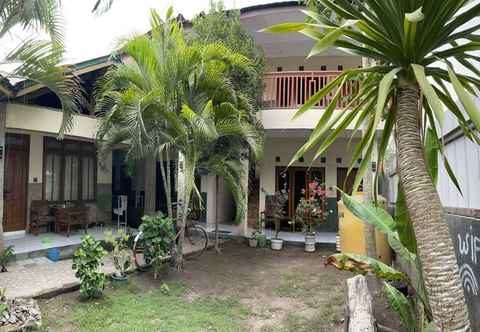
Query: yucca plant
<point x="411" y="46"/>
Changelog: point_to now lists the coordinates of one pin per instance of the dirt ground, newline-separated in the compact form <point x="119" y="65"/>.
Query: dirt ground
<point x="288" y="290"/>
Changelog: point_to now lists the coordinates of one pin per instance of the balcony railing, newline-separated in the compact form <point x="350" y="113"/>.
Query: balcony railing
<point x="291" y="89"/>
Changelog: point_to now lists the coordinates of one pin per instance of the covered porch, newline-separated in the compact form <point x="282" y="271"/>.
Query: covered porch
<point x="30" y="246"/>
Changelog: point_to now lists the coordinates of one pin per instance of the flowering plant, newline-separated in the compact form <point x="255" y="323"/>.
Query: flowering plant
<point x="311" y="209"/>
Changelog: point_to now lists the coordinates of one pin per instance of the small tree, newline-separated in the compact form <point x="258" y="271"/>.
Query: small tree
<point x="311" y="209"/>
<point x="86" y="261"/>
<point x="278" y="209"/>
<point x="224" y="26"/>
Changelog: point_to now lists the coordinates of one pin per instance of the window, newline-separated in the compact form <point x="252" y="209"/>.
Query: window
<point x="69" y="170"/>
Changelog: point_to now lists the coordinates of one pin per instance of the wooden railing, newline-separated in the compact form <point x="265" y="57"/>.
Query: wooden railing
<point x="291" y="89"/>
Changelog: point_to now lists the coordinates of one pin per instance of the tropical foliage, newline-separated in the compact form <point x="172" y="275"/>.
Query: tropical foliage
<point x="224" y="26"/>
<point x="86" y="261"/>
<point x="38" y="61"/>
<point x="311" y="209"/>
<point x="158" y="239"/>
<point x="172" y="95"/>
<point x="411" y="46"/>
<point x="413" y="309"/>
<point x="121" y="253"/>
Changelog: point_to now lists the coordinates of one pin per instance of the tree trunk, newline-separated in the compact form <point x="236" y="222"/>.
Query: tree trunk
<point x="435" y="247"/>
<point x="3" y="116"/>
<point x="185" y="179"/>
<point x="217" y="240"/>
<point x="358" y="305"/>
<point x="166" y="186"/>
<point x="169" y="184"/>
<point x="181" y="215"/>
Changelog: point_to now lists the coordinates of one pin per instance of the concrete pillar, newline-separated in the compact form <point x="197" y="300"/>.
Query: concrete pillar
<point x="209" y="186"/>
<point x="150" y="184"/>
<point x="3" y="118"/>
<point x="103" y="209"/>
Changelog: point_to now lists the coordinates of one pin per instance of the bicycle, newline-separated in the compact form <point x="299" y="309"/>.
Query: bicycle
<point x="195" y="235"/>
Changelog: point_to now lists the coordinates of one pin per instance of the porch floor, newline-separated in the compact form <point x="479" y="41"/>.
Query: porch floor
<point x="292" y="237"/>
<point x="29" y="243"/>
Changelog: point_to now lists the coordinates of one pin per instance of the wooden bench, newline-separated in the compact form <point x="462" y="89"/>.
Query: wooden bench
<point x="66" y="217"/>
<point x="40" y="216"/>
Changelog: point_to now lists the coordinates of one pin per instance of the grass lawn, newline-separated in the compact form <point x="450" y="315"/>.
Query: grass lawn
<point x="134" y="308"/>
<point x="240" y="289"/>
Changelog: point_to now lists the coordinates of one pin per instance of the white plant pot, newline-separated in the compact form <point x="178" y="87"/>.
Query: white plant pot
<point x="252" y="242"/>
<point x="276" y="244"/>
<point x="310" y="242"/>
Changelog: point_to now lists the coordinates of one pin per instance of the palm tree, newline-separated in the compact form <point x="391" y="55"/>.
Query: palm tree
<point x="37" y="61"/>
<point x="171" y="95"/>
<point x="410" y="45"/>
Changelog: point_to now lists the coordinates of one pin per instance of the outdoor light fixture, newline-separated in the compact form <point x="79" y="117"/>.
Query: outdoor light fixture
<point x="277" y="159"/>
<point x="339" y="160"/>
<point x="374" y="166"/>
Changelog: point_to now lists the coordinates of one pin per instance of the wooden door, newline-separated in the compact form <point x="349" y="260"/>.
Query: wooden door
<point x="15" y="182"/>
<point x="344" y="183"/>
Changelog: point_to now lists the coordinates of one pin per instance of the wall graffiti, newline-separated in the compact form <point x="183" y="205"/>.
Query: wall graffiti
<point x="465" y="234"/>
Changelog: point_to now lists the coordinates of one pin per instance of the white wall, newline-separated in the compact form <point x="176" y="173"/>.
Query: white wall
<point x="285" y="148"/>
<point x="41" y="119"/>
<point x="282" y="119"/>
<point x="464" y="158"/>
<point x="314" y="63"/>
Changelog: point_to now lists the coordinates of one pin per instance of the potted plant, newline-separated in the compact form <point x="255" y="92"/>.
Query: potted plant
<point x="122" y="255"/>
<point x="258" y="237"/>
<point x="279" y="200"/>
<point x="253" y="241"/>
<point x="310" y="211"/>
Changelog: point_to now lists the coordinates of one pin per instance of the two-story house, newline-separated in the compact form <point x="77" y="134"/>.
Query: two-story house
<point x="40" y="167"/>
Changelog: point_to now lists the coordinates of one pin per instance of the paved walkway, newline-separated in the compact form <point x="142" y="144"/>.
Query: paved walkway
<point x="39" y="277"/>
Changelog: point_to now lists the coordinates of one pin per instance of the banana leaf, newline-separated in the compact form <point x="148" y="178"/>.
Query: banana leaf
<point x="364" y="265"/>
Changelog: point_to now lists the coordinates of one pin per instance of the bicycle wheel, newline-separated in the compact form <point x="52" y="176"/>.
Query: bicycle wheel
<point x="196" y="241"/>
<point x="141" y="260"/>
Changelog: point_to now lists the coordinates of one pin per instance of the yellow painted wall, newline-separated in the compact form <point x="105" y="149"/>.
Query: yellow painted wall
<point x="352" y="237"/>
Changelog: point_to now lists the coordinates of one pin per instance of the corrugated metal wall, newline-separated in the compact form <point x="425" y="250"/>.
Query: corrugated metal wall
<point x="464" y="157"/>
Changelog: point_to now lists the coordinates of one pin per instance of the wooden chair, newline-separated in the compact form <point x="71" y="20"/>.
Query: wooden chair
<point x="71" y="216"/>
<point x="40" y="216"/>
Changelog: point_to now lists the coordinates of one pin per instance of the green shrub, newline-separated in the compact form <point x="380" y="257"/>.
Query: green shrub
<point x="121" y="253"/>
<point x="5" y="257"/>
<point x="86" y="261"/>
<point x="158" y="237"/>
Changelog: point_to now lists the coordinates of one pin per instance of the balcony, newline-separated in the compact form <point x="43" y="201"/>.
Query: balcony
<point x="291" y="89"/>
